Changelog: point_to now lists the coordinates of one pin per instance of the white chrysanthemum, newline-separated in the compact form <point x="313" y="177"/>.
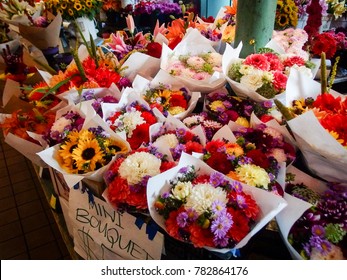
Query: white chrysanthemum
<point x="215" y="59"/>
<point x="129" y="121"/>
<point x="203" y="195"/>
<point x="278" y="154"/>
<point x="60" y="124"/>
<point x="253" y="175"/>
<point x="139" y="165"/>
<point x="254" y="80"/>
<point x="195" y="62"/>
<point x="169" y="140"/>
<point x="182" y="190"/>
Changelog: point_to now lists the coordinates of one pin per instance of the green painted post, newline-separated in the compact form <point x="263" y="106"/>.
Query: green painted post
<point x="254" y="24"/>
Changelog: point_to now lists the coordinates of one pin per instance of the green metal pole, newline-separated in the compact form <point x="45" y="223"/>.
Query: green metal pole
<point x="254" y="24"/>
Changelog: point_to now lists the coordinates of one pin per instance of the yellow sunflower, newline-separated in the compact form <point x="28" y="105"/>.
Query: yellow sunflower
<point x="88" y="155"/>
<point x="78" y="6"/>
<point x="113" y="146"/>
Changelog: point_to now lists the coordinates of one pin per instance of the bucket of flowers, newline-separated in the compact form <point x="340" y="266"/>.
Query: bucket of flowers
<point x="313" y="225"/>
<point x="196" y="204"/>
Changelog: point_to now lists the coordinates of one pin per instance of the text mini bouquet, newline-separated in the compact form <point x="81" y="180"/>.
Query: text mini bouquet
<point x="196" y="204"/>
<point x="127" y="177"/>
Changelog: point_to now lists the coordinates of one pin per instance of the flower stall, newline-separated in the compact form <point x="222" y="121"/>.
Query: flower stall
<point x="167" y="135"/>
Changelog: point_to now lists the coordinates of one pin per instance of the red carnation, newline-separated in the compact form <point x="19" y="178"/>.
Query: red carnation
<point x="259" y="158"/>
<point x="140" y="135"/>
<point x="258" y="61"/>
<point x="178" y="100"/>
<point x="154" y="49"/>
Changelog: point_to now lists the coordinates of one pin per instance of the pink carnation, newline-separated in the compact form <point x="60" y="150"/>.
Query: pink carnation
<point x="275" y="62"/>
<point x="258" y="61"/>
<point x="279" y="81"/>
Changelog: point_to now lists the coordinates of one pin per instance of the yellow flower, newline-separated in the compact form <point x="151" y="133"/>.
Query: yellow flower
<point x="229" y="33"/>
<point x="88" y="155"/>
<point x="215" y="105"/>
<point x="242" y="121"/>
<point x="176" y="110"/>
<point x="253" y="175"/>
<point x="78" y="6"/>
<point x="89" y="4"/>
<point x="71" y="12"/>
<point x="234" y="149"/>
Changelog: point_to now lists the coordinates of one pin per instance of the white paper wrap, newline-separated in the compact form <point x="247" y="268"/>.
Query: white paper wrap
<point x="270" y="204"/>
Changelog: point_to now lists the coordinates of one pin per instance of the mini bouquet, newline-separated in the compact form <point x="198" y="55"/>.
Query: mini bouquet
<point x="172" y="138"/>
<point x="319" y="129"/>
<point x="261" y="76"/>
<point x="21" y="129"/>
<point x="254" y="156"/>
<point x="196" y="204"/>
<point x="313" y="225"/>
<point x="170" y="99"/>
<point x="131" y="117"/>
<point x="127" y="177"/>
<point x="86" y="153"/>
<point x="195" y="63"/>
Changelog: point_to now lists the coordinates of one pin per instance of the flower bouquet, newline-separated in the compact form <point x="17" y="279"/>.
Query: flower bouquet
<point x="138" y="53"/>
<point x="196" y="204"/>
<point x="86" y="153"/>
<point x="313" y="225"/>
<point x="131" y="117"/>
<point x="255" y="156"/>
<point x="317" y="122"/>
<point x="126" y="179"/>
<point x="195" y="63"/>
<point x="23" y="130"/>
<point x="170" y="99"/>
<point x="261" y="76"/>
<point x="172" y="138"/>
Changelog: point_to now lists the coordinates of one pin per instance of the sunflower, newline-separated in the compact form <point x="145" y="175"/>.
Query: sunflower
<point x="88" y="155"/>
<point x="89" y="4"/>
<point x="71" y="12"/>
<point x="78" y="6"/>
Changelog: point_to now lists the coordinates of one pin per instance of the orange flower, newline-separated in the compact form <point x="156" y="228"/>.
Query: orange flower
<point x="231" y="10"/>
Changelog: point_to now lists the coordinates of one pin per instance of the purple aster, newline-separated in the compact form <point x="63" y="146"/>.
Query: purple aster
<point x="180" y="132"/>
<point x="183" y="170"/>
<point x="218" y="208"/>
<point x="318" y="230"/>
<point x="244" y="160"/>
<point x="221" y="225"/>
<point x="236" y="186"/>
<point x="227" y="104"/>
<point x="182" y="219"/>
<point x="177" y="151"/>
<point x="216" y="179"/>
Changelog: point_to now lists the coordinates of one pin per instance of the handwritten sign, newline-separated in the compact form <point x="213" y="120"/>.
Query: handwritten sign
<point x="102" y="233"/>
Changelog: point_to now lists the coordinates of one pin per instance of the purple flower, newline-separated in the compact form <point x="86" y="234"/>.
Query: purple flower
<point x="318" y="230"/>
<point x="221" y="242"/>
<point x="192" y="215"/>
<point x="218" y="208"/>
<point x="182" y="219"/>
<point x="236" y="186"/>
<point x="221" y="225"/>
<point x="216" y="179"/>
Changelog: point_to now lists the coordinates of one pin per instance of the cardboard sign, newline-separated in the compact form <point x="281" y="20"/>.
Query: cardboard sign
<point x="102" y="233"/>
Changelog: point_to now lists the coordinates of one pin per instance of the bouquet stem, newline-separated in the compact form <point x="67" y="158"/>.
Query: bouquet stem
<point x="323" y="72"/>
